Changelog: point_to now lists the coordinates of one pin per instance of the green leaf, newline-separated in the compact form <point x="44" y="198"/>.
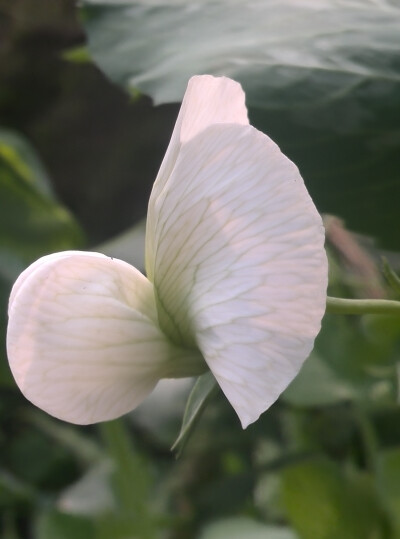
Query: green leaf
<point x="37" y="461"/>
<point x="85" y="449"/>
<point x="346" y="365"/>
<point x="325" y="502"/>
<point x="391" y="277"/>
<point x="91" y="495"/>
<point x="324" y="83"/>
<point x="13" y="490"/>
<point x="388" y="481"/>
<point x="130" y="479"/>
<point x="326" y="47"/>
<point x="242" y="527"/>
<point x="21" y="157"/>
<point x="32" y="223"/>
<point x="383" y="330"/>
<point x="6" y="379"/>
<point x="267" y="496"/>
<point x="53" y="524"/>
<point x="78" y="55"/>
<point x="318" y="384"/>
<point x="202" y="391"/>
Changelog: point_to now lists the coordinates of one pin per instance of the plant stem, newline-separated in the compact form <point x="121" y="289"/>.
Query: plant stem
<point x="362" y="306"/>
<point x="368" y="437"/>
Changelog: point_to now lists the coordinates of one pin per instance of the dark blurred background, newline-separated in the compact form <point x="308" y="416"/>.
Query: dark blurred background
<point x="101" y="147"/>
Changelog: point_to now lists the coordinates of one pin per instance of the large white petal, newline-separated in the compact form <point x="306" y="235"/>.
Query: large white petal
<point x="240" y="266"/>
<point x="208" y="100"/>
<point x="83" y="341"/>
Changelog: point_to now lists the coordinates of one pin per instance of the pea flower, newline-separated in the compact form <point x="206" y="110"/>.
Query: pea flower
<point x="236" y="280"/>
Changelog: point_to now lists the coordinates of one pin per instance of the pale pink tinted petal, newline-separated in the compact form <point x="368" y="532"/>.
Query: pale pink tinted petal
<point x="33" y="267"/>
<point x="82" y="338"/>
<point x="208" y="100"/>
<point x="240" y="266"/>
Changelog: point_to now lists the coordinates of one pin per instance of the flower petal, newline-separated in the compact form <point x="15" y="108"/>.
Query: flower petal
<point x="83" y="341"/>
<point x="32" y="268"/>
<point x="208" y="100"/>
<point x="240" y="266"/>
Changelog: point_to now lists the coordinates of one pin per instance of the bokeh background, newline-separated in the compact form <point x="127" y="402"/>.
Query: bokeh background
<point x="89" y="94"/>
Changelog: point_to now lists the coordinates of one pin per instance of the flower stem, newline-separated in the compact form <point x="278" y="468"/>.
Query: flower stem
<point x="362" y="306"/>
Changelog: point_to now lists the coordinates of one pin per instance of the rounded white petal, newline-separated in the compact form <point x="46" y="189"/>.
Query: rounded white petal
<point x="240" y="266"/>
<point x="83" y="341"/>
<point x="32" y="268"/>
<point x="208" y="100"/>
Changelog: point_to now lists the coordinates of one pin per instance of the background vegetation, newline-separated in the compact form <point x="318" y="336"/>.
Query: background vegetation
<point x="80" y="144"/>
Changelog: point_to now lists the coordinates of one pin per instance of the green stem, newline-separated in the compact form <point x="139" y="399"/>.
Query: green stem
<point x="362" y="306"/>
<point x="131" y="478"/>
<point x="368" y="437"/>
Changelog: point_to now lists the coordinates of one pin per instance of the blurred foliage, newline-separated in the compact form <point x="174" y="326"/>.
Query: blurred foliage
<point x="324" y="461"/>
<point x="31" y="222"/>
<point x="322" y="82"/>
<point x="101" y="150"/>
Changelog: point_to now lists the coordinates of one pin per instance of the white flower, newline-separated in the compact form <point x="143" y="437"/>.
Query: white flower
<point x="236" y="280"/>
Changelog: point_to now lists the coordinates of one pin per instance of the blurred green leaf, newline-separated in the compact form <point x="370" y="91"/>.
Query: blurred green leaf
<point x="324" y="83"/>
<point x="268" y="496"/>
<point x="14" y="490"/>
<point x="9" y="527"/>
<point x="345" y="365"/>
<point x="383" y="331"/>
<point x="115" y="526"/>
<point x="130" y="480"/>
<point x="329" y="50"/>
<point x="242" y="527"/>
<point x="202" y="391"/>
<point x="32" y="223"/>
<point x="55" y="525"/>
<point x="15" y="150"/>
<point x="391" y="277"/>
<point x="85" y="449"/>
<point x="79" y="55"/>
<point x="318" y="384"/>
<point x="388" y="481"/>
<point x="91" y="495"/>
<point x="6" y="379"/>
<point x="38" y="462"/>
<point x="324" y="501"/>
